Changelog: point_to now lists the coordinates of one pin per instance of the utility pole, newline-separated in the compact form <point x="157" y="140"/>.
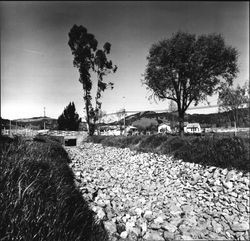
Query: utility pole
<point x="10" y="127"/>
<point x="124" y="118"/>
<point x="44" y="115"/>
<point x="124" y="121"/>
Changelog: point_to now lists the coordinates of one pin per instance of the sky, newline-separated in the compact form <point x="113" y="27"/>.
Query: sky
<point x="37" y="65"/>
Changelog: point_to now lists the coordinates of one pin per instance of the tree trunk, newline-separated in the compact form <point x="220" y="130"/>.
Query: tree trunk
<point x="181" y="123"/>
<point x="87" y="113"/>
<point x="91" y="129"/>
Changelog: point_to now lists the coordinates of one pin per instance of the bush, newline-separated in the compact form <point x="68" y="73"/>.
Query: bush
<point x="39" y="200"/>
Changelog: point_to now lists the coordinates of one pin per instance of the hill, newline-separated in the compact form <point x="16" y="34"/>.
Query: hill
<point x="34" y="123"/>
<point x="223" y="119"/>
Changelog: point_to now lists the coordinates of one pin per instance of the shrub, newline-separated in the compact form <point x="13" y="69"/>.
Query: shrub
<point x="38" y="198"/>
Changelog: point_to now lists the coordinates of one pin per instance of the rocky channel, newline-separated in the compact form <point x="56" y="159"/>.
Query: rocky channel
<point x="145" y="196"/>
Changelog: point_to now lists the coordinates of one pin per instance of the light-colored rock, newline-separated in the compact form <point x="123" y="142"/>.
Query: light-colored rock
<point x="240" y="227"/>
<point x="138" y="211"/>
<point x="169" y="227"/>
<point x="159" y="220"/>
<point x="110" y="226"/>
<point x="129" y="225"/>
<point x="153" y="235"/>
<point x="148" y="215"/>
<point x="124" y="234"/>
<point x="101" y="214"/>
<point x="155" y="226"/>
<point x="216" y="226"/>
<point x="186" y="237"/>
<point x="144" y="228"/>
<point x="228" y="185"/>
<point x="168" y="235"/>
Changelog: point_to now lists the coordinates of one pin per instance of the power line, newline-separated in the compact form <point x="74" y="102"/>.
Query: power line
<point x="162" y="110"/>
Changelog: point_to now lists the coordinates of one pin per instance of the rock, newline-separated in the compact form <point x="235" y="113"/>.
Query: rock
<point x="168" y="236"/>
<point x="241" y="207"/>
<point x="120" y="227"/>
<point x="217" y="188"/>
<point x="153" y="236"/>
<point x="176" y="221"/>
<point x="169" y="227"/>
<point x="136" y="231"/>
<point x="216" y="174"/>
<point x="231" y="176"/>
<point x="159" y="220"/>
<point x="211" y="169"/>
<point x="138" y="211"/>
<point x="101" y="214"/>
<point x="174" y="210"/>
<point x="124" y="234"/>
<point x="129" y="225"/>
<point x="144" y="228"/>
<point x="234" y="194"/>
<point x="196" y="177"/>
<point x="110" y="227"/>
<point x="187" y="209"/>
<point x="185" y="229"/>
<point x="186" y="237"/>
<point x="224" y="172"/>
<point x="148" y="215"/>
<point x="216" y="226"/>
<point x="155" y="226"/>
<point x="240" y="227"/>
<point x="228" y="185"/>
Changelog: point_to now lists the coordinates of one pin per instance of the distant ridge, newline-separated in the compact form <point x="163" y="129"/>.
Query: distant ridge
<point x="40" y="118"/>
<point x="216" y="119"/>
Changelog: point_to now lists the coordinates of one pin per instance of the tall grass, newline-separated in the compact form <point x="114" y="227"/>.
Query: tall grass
<point x="38" y="198"/>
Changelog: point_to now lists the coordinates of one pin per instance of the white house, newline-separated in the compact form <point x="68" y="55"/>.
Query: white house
<point x="164" y="128"/>
<point x="192" y="128"/>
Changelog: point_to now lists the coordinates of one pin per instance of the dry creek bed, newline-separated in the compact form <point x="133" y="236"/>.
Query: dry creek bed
<point x="145" y="196"/>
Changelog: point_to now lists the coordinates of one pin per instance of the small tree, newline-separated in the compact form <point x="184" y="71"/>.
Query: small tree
<point x="187" y="69"/>
<point x="99" y="115"/>
<point x="233" y="99"/>
<point x="88" y="59"/>
<point x="69" y="119"/>
<point x="172" y="108"/>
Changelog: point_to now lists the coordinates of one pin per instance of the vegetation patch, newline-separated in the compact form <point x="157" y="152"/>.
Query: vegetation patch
<point x="38" y="197"/>
<point x="220" y="151"/>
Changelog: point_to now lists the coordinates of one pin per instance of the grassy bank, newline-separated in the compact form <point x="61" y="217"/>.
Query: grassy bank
<point x="220" y="151"/>
<point x="38" y="197"/>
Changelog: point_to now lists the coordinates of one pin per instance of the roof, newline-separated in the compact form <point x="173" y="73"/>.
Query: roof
<point x="193" y="124"/>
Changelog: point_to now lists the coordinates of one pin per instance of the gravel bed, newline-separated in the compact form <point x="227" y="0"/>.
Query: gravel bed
<point x="145" y="196"/>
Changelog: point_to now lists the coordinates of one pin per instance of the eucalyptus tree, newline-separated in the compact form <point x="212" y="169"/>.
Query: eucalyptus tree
<point x="90" y="60"/>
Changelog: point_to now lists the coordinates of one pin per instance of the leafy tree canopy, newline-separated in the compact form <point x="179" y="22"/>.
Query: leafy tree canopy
<point x="69" y="119"/>
<point x="187" y="69"/>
